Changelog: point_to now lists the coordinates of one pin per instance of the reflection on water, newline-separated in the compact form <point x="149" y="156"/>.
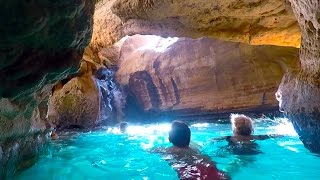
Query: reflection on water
<point x="111" y="154"/>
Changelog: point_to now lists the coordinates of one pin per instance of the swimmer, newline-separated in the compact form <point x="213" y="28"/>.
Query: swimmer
<point x="242" y="128"/>
<point x="188" y="162"/>
<point x="242" y="142"/>
<point x="54" y="135"/>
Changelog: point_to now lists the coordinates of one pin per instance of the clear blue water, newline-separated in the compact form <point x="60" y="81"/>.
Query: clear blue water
<point x="108" y="154"/>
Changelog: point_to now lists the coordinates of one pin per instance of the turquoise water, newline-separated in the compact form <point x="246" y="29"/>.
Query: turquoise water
<point x="108" y="154"/>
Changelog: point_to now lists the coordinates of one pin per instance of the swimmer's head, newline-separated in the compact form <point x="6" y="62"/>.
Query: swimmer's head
<point x="179" y="134"/>
<point x="54" y="136"/>
<point x="123" y="126"/>
<point x="241" y="125"/>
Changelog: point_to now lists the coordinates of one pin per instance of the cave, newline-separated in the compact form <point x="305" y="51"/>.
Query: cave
<point x="146" y="89"/>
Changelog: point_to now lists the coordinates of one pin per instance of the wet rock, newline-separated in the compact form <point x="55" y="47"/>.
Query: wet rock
<point x="41" y="43"/>
<point x="20" y="153"/>
<point x="1" y="152"/>
<point x="23" y="131"/>
<point x="104" y="74"/>
<point x="87" y="99"/>
<point x="76" y="103"/>
<point x="202" y="75"/>
<point x="299" y="92"/>
<point x="111" y="97"/>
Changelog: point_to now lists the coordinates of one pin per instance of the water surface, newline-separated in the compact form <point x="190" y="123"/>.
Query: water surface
<point x="108" y="154"/>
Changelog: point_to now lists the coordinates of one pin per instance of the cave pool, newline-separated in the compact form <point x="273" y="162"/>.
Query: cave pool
<point x="108" y="154"/>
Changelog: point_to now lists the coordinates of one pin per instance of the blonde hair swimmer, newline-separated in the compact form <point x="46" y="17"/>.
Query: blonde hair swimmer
<point x="243" y="129"/>
<point x="241" y="125"/>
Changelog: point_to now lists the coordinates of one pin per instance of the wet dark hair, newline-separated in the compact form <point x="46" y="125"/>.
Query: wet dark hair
<point x="123" y="126"/>
<point x="179" y="134"/>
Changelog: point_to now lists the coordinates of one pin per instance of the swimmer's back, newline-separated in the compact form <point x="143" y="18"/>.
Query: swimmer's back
<point x="201" y="172"/>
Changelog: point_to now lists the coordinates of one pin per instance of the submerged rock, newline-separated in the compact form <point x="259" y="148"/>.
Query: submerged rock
<point x="202" y="75"/>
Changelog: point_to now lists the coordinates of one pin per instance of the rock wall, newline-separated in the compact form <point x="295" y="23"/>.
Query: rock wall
<point x="23" y="131"/>
<point x="107" y="31"/>
<point x="41" y="42"/>
<point x="257" y="22"/>
<point x="87" y="99"/>
<point x="202" y="75"/>
<point x="75" y="101"/>
<point x="299" y="92"/>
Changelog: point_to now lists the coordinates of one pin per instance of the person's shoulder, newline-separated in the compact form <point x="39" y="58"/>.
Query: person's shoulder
<point x="241" y="139"/>
<point x="160" y="150"/>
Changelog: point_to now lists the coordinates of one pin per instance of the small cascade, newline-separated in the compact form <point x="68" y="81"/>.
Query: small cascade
<point x="111" y="100"/>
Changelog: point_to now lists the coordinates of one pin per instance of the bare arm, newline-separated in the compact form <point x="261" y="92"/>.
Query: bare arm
<point x="264" y="137"/>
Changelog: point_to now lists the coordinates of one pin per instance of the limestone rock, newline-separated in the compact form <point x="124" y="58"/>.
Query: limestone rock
<point x="203" y="75"/>
<point x="107" y="31"/>
<point x="41" y="43"/>
<point x="18" y="154"/>
<point x="268" y="22"/>
<point x="299" y="92"/>
<point x="251" y="21"/>
<point x="23" y="132"/>
<point x="76" y="103"/>
<point x="86" y="99"/>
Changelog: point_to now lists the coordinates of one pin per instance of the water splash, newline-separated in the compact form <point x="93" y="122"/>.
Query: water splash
<point x="149" y="130"/>
<point x="148" y="135"/>
<point x="282" y="126"/>
<point x="200" y="125"/>
<point x="110" y="96"/>
<point x="105" y="100"/>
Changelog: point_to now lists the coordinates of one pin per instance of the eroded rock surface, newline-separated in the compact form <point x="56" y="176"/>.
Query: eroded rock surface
<point x="23" y="131"/>
<point x="202" y="75"/>
<point x="86" y="99"/>
<point x="41" y="42"/>
<point x="258" y="22"/>
<point x="107" y="30"/>
<point x="299" y="92"/>
<point x="76" y="103"/>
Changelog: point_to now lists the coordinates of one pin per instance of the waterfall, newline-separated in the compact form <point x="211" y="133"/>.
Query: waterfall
<point x="111" y="98"/>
